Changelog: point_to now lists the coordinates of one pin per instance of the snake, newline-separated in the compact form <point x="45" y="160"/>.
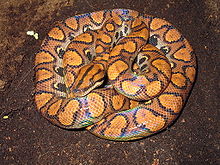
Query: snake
<point x="120" y="74"/>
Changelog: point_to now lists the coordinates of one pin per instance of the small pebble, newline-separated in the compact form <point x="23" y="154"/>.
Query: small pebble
<point x="2" y="84"/>
<point x="5" y="117"/>
<point x="32" y="33"/>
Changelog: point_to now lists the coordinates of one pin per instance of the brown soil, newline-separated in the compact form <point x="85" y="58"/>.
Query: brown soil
<point x="27" y="138"/>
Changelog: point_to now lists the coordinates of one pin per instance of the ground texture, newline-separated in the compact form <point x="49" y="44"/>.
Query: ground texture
<point x="27" y="138"/>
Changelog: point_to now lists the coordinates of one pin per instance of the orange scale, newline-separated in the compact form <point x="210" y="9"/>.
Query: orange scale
<point x="162" y="66"/>
<point x="118" y="102"/>
<point x="183" y="54"/>
<point x="116" y="69"/>
<point x="179" y="80"/>
<point x="151" y="121"/>
<point x="72" y="58"/>
<point x="129" y="88"/>
<point x="172" y="35"/>
<point x="154" y="88"/>
<point x="84" y="37"/>
<point x="134" y="14"/>
<point x="65" y="117"/>
<point x="116" y="126"/>
<point x="53" y="109"/>
<point x="42" y="99"/>
<point x="130" y="46"/>
<point x="43" y="74"/>
<point x="69" y="79"/>
<point x="96" y="104"/>
<point x="110" y="27"/>
<point x="116" y="50"/>
<point x="157" y="23"/>
<point x="133" y="103"/>
<point x="144" y="33"/>
<point x="43" y="57"/>
<point x="106" y="38"/>
<point x="116" y="19"/>
<point x="98" y="17"/>
<point x="56" y="33"/>
<point x="99" y="49"/>
<point x="171" y="101"/>
<point x="190" y="73"/>
<point x="72" y="23"/>
<point x="136" y="22"/>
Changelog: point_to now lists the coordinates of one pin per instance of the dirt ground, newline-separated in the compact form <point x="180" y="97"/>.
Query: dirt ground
<point x="27" y="138"/>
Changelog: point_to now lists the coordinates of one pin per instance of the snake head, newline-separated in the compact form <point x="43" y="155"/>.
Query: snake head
<point x="89" y="77"/>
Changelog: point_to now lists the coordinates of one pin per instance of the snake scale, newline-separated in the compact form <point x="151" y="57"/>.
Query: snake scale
<point x="120" y="74"/>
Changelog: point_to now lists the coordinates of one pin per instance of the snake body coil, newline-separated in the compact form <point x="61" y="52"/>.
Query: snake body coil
<point x="120" y="74"/>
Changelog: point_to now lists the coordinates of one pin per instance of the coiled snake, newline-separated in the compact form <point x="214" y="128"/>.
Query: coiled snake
<point x="121" y="74"/>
